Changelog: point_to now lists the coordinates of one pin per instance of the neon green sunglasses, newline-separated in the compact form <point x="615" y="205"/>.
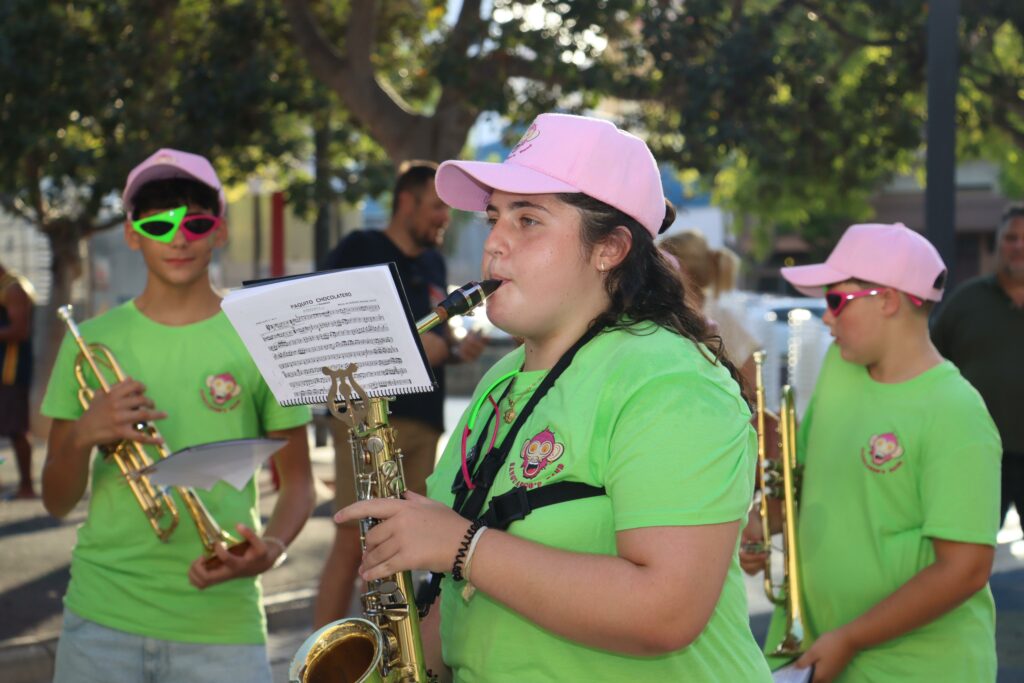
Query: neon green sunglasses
<point x="162" y="227"/>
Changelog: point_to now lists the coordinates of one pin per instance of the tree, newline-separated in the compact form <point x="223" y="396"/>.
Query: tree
<point x="94" y="86"/>
<point x="416" y="85"/>
<point x="796" y="111"/>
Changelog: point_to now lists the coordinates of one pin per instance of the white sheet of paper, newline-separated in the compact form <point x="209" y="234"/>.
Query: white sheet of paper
<point x="204" y="465"/>
<point x="791" y="674"/>
<point x="295" y="327"/>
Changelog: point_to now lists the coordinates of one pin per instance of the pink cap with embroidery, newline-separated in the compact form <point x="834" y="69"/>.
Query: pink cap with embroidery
<point x="563" y="153"/>
<point x="890" y="255"/>
<point x="168" y="163"/>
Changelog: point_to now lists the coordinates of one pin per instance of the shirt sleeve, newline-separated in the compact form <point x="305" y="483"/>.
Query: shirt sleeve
<point x="960" y="476"/>
<point x="273" y="415"/>
<point x="61" y="399"/>
<point x="682" y="453"/>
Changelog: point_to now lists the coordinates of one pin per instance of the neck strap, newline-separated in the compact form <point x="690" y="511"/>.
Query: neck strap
<point x="469" y="502"/>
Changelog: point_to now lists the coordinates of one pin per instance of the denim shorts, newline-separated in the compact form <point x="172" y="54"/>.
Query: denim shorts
<point x="90" y="653"/>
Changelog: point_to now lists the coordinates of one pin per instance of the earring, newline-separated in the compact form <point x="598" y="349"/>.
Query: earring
<point x="601" y="267"/>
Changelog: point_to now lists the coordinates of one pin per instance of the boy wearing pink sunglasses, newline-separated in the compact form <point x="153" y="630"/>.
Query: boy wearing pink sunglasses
<point x="138" y="608"/>
<point x="900" y="492"/>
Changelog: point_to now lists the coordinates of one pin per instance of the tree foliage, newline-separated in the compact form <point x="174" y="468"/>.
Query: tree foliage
<point x="792" y="111"/>
<point x="416" y="83"/>
<point x="796" y="111"/>
<point x="94" y="86"/>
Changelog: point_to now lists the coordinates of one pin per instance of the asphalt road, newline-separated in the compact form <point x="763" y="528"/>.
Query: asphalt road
<point x="35" y="549"/>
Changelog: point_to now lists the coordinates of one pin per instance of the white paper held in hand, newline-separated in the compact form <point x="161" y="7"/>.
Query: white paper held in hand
<point x="202" y="466"/>
<point x="791" y="674"/>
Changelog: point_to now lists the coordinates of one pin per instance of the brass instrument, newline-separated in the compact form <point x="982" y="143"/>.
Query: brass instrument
<point x="132" y="457"/>
<point x="385" y="645"/>
<point x="779" y="480"/>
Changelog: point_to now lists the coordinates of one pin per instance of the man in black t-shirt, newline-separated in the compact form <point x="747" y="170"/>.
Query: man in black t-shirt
<point x="981" y="329"/>
<point x="416" y="229"/>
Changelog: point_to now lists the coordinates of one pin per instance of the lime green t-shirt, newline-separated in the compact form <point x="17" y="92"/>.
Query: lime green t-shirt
<point x="122" y="576"/>
<point x="667" y="435"/>
<point x="888" y="467"/>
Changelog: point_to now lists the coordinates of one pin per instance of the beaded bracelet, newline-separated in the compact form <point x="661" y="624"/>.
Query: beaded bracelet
<point x="469" y="588"/>
<point x="460" y="556"/>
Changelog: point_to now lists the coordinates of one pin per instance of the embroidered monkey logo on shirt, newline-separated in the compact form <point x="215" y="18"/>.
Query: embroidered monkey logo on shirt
<point x="221" y="392"/>
<point x="884" y="453"/>
<point x="537" y="453"/>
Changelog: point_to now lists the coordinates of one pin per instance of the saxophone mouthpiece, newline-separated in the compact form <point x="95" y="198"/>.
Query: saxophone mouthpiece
<point x="460" y="302"/>
<point x="489" y="286"/>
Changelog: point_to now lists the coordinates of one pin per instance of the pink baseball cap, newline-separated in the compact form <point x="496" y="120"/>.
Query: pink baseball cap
<point x="563" y="153"/>
<point x="168" y="163"/>
<point x="890" y="255"/>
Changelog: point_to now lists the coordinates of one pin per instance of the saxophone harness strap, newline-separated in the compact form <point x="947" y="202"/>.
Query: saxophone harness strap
<point x="519" y="502"/>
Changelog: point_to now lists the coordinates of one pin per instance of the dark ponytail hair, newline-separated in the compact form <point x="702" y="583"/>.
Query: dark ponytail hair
<point x="644" y="287"/>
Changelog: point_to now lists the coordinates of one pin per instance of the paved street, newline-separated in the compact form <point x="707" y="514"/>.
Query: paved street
<point x="34" y="553"/>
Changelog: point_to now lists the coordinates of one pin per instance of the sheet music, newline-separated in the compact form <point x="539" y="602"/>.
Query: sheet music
<point x="294" y="327"/>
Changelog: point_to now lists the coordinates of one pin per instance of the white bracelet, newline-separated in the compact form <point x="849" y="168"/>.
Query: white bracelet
<point x="274" y="540"/>
<point x="469" y="588"/>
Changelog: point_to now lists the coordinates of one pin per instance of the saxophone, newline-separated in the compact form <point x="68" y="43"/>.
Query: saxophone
<point x="383" y="646"/>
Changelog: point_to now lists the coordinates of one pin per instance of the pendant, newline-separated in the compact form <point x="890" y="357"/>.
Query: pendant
<point x="510" y="416"/>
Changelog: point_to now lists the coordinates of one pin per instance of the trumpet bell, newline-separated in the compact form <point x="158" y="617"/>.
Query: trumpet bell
<point x="344" y="651"/>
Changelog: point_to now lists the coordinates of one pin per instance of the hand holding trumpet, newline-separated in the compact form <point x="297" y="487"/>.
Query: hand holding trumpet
<point x="116" y="416"/>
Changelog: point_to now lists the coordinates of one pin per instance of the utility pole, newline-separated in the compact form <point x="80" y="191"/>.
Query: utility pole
<point x="940" y="193"/>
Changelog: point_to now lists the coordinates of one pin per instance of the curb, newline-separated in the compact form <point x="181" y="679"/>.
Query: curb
<point x="30" y="660"/>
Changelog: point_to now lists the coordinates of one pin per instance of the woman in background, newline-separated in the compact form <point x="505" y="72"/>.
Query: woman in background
<point x="712" y="272"/>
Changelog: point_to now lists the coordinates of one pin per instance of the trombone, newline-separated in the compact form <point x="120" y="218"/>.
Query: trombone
<point x="131" y="457"/>
<point x="780" y="481"/>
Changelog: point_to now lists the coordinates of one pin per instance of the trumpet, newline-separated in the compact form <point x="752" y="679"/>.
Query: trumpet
<point x="780" y="480"/>
<point x="133" y="457"/>
<point x="385" y="645"/>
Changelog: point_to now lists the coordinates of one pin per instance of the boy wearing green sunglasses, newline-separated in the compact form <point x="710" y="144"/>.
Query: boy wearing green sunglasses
<point x="135" y="603"/>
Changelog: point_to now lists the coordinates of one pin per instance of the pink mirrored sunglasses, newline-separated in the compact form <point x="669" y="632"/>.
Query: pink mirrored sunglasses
<point x="836" y="301"/>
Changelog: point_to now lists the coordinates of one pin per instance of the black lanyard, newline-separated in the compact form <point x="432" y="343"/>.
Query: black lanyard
<point x="469" y="502"/>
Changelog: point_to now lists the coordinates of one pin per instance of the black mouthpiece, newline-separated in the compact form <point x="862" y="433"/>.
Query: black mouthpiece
<point x="489" y="286"/>
<point x="468" y="296"/>
<point x="461" y="301"/>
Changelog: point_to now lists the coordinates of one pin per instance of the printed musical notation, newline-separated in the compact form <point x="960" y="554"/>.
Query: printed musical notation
<point x="295" y="327"/>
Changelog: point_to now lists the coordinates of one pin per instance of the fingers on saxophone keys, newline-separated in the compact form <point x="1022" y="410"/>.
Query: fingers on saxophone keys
<point x="380" y="561"/>
<point x="379" y="508"/>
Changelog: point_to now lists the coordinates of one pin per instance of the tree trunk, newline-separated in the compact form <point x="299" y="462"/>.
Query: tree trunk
<point x="322" y="188"/>
<point x="65" y="268"/>
<point x="351" y="75"/>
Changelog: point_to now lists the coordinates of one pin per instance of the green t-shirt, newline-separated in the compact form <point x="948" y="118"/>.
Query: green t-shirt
<point x="888" y="467"/>
<point x="122" y="576"/>
<point x="667" y="435"/>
